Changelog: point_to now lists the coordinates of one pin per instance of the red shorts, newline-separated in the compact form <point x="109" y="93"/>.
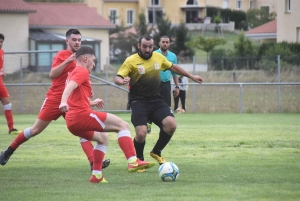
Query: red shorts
<point x="83" y="124"/>
<point x="3" y="91"/>
<point x="50" y="111"/>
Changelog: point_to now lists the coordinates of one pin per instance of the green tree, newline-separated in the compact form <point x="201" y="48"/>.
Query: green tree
<point x="205" y="44"/>
<point x="182" y="36"/>
<point x="257" y="17"/>
<point x="141" y="27"/>
<point x="244" y="47"/>
<point x="245" y="53"/>
<point x="164" y="27"/>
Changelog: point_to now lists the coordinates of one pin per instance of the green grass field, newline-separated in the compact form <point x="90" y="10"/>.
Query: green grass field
<point x="220" y="157"/>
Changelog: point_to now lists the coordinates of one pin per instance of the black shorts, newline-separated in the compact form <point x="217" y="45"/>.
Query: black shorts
<point x="154" y="110"/>
<point x="165" y="92"/>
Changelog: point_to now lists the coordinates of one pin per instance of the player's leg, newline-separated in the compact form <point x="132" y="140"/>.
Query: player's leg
<point x="182" y="99"/>
<point x="4" y="98"/>
<point x="24" y="136"/>
<point x="139" y="118"/>
<point x="47" y="113"/>
<point x="100" y="121"/>
<point x="98" y="156"/>
<point x="99" y="150"/>
<point x="88" y="149"/>
<point x="164" y="119"/>
<point x="176" y="101"/>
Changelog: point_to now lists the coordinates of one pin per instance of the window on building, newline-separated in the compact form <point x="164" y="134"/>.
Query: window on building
<point x="192" y="2"/>
<point x="113" y="16"/>
<point x="154" y="2"/>
<point x="239" y="4"/>
<point x="130" y="17"/>
<point x="288" y="6"/>
<point x="157" y="14"/>
<point x="191" y="16"/>
<point x="265" y="11"/>
<point x="251" y="4"/>
<point x="225" y="3"/>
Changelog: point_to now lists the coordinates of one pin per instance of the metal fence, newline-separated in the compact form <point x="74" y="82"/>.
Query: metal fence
<point x="237" y="91"/>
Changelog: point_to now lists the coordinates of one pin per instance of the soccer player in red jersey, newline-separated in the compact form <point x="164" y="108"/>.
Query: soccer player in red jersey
<point x="82" y="121"/>
<point x="4" y="96"/>
<point x="63" y="63"/>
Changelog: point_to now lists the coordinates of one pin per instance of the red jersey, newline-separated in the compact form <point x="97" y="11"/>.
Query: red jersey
<point x="58" y="84"/>
<point x="1" y="62"/>
<point x="79" y="100"/>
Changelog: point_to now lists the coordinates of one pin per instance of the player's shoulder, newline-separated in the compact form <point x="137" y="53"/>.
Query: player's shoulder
<point x="157" y="54"/>
<point x="63" y="53"/>
<point x="171" y="53"/>
<point x="132" y="58"/>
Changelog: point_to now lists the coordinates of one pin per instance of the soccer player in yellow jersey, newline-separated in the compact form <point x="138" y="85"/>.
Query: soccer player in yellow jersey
<point x="142" y="72"/>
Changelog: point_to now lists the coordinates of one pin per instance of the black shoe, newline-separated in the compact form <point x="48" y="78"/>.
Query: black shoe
<point x="5" y="155"/>
<point x="105" y="164"/>
<point x="14" y="132"/>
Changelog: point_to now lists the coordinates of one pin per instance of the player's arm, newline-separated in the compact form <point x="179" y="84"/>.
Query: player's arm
<point x="99" y="103"/>
<point x="57" y="70"/>
<point x="176" y="81"/>
<point x="67" y="92"/>
<point x="180" y="71"/>
<point x="2" y="73"/>
<point x="119" y="80"/>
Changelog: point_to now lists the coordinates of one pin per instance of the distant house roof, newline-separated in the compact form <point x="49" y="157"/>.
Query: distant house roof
<point x="265" y="31"/>
<point x="15" y="6"/>
<point x="43" y="36"/>
<point x="57" y="15"/>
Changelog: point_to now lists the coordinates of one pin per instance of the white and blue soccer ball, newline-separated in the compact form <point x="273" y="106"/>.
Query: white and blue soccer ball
<point x="168" y="171"/>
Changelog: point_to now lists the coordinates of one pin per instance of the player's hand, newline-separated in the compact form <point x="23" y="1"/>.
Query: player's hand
<point x="99" y="103"/>
<point x="63" y="107"/>
<point x="2" y="73"/>
<point x="72" y="57"/>
<point x="176" y="92"/>
<point x="126" y="80"/>
<point x="197" y="78"/>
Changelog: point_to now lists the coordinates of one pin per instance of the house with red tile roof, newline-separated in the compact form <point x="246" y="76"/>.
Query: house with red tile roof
<point x="42" y="26"/>
<point x="264" y="33"/>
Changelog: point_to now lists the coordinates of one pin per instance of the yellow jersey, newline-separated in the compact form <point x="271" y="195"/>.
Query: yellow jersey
<point x="144" y="75"/>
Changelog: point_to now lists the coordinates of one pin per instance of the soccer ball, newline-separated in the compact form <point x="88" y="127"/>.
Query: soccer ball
<point x="168" y="171"/>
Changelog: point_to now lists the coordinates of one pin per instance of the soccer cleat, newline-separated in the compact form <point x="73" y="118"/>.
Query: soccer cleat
<point x="105" y="164"/>
<point x="138" y="165"/>
<point x="149" y="128"/>
<point x="14" y="132"/>
<point x="97" y="178"/>
<point x="5" y="155"/>
<point x="141" y="170"/>
<point x="160" y="159"/>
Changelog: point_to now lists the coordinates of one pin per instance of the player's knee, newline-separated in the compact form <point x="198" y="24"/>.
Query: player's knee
<point x="35" y="130"/>
<point x="124" y="126"/>
<point x="7" y="106"/>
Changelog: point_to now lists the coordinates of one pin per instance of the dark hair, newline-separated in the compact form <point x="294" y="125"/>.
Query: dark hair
<point x="72" y="31"/>
<point x="164" y="37"/>
<point x="146" y="36"/>
<point x="84" y="50"/>
<point x="1" y="36"/>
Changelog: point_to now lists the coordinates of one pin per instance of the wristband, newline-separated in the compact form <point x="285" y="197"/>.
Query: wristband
<point x="176" y="87"/>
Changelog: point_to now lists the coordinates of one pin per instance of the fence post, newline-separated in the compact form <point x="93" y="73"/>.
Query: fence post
<point x="194" y="87"/>
<point x="21" y="87"/>
<point x="278" y="86"/>
<point x="106" y="87"/>
<point x="241" y="98"/>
